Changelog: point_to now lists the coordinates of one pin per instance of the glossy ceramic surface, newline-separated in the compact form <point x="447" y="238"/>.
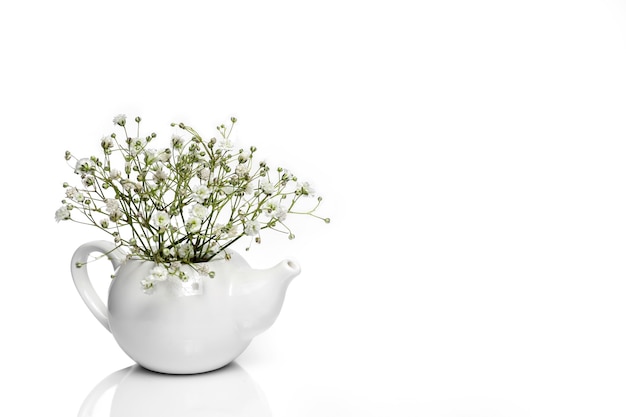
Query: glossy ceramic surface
<point x="138" y="392"/>
<point x="185" y="327"/>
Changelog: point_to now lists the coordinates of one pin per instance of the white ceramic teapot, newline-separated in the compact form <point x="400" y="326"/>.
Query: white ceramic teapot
<point x="186" y="327"/>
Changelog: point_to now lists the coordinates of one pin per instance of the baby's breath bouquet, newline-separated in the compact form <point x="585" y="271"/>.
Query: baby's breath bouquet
<point x="184" y="203"/>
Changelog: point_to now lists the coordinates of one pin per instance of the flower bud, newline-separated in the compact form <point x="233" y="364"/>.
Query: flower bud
<point x="138" y="119"/>
<point x="68" y="155"/>
<point x="233" y="119"/>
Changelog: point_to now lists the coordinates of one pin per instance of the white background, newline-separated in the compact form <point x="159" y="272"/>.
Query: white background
<point x="471" y="156"/>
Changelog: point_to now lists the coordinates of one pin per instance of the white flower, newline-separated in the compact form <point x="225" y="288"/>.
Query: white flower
<point x="205" y="174"/>
<point x="131" y="186"/>
<point x="120" y="119"/>
<point x="215" y="247"/>
<point x="219" y="229"/>
<point x="272" y="209"/>
<point x="106" y="142"/>
<point x="88" y="180"/>
<point x="287" y="175"/>
<point x="71" y="192"/>
<point x="177" y="141"/>
<point x="203" y="269"/>
<point x="305" y="188"/>
<point x="104" y="223"/>
<point x="115" y="174"/>
<point x="243" y="157"/>
<point x="147" y="285"/>
<point x="252" y="228"/>
<point x="116" y="215"/>
<point x="193" y="225"/>
<point x="225" y="144"/>
<point x="62" y="214"/>
<point x="84" y="166"/>
<point x="280" y="213"/>
<point x="185" y="251"/>
<point x="164" y="155"/>
<point x="112" y="204"/>
<point x="201" y="193"/>
<point x="160" y="219"/>
<point x="270" y="206"/>
<point x="242" y="170"/>
<point x="233" y="231"/>
<point x="200" y="211"/>
<point x="228" y="189"/>
<point x="137" y="145"/>
<point x="267" y="187"/>
<point x="158" y="273"/>
<point x="153" y="155"/>
<point x="227" y="231"/>
<point x="159" y="175"/>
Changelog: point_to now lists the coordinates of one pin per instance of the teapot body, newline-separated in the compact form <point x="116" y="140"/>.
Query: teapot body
<point x="178" y="326"/>
<point x="185" y="326"/>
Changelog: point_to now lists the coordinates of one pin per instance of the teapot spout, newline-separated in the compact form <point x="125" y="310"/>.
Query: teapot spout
<point x="260" y="298"/>
<point x="287" y="269"/>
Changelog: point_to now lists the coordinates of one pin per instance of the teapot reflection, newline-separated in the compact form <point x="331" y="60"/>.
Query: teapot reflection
<point x="227" y="392"/>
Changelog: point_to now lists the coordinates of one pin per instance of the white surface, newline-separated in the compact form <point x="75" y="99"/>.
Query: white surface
<point x="471" y="156"/>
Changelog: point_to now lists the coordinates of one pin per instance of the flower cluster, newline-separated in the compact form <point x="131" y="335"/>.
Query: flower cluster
<point x="184" y="203"/>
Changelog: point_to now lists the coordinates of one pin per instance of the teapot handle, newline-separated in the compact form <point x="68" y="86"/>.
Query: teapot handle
<point x="83" y="282"/>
